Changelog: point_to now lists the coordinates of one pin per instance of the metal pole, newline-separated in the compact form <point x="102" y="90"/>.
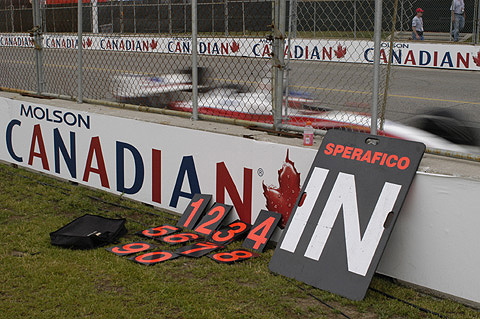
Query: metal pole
<point x="158" y="14"/>
<point x="376" y="64"/>
<point x="134" y="18"/>
<point x="225" y="13"/>
<point x="38" y="39"/>
<point x="121" y="17"/>
<point x="11" y="15"/>
<point x="402" y="13"/>
<point x="477" y="29"/>
<point x="185" y="16"/>
<point x="170" y="28"/>
<point x="355" y="19"/>
<point x="474" y="22"/>
<point x="94" y="16"/>
<point x="243" y="17"/>
<point x="314" y="18"/>
<point x="278" y="60"/>
<point x="194" y="62"/>
<point x="287" y="65"/>
<point x="80" y="52"/>
<point x="111" y="15"/>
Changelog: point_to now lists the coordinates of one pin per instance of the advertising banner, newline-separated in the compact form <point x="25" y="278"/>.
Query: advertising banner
<point x="152" y="163"/>
<point x="414" y="54"/>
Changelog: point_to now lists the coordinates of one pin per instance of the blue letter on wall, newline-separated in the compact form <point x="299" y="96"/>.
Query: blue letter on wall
<point x="139" y="169"/>
<point x="187" y="166"/>
<point x="9" y="139"/>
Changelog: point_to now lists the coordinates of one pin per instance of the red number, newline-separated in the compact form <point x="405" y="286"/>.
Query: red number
<point x="180" y="238"/>
<point x="202" y="228"/>
<point x="159" y="231"/>
<point x="235" y="228"/>
<point x="261" y="239"/>
<point x="130" y="248"/>
<point x="196" y="205"/>
<point x="232" y="256"/>
<point x="200" y="246"/>
<point x="147" y="258"/>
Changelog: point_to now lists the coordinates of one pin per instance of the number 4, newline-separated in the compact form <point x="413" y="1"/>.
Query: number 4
<point x="263" y="229"/>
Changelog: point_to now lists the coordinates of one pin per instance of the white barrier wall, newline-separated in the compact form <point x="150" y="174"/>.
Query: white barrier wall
<point x="433" y="245"/>
<point x="414" y="54"/>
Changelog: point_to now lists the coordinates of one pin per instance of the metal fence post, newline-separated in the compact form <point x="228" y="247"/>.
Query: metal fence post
<point x="170" y="29"/>
<point x="80" y="53"/>
<point x="278" y="60"/>
<point x="94" y="16"/>
<point x="38" y="39"/>
<point x="477" y="21"/>
<point x="376" y="64"/>
<point x="291" y="22"/>
<point x="194" y="62"/>
<point x="121" y="17"/>
<point x="243" y="17"/>
<point x="225" y="13"/>
<point x="355" y="19"/>
<point x="12" y="15"/>
<point x="402" y="13"/>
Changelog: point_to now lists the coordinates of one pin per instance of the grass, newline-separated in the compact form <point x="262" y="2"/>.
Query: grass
<point x="42" y="281"/>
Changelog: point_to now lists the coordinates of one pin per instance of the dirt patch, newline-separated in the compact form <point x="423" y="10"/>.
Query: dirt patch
<point x="106" y="285"/>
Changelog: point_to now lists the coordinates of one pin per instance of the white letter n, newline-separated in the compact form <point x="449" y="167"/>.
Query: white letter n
<point x="360" y="251"/>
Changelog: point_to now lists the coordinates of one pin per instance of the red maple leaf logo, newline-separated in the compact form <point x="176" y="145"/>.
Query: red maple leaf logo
<point x="340" y="51"/>
<point x="234" y="46"/>
<point x="154" y="44"/>
<point x="89" y="42"/>
<point x="476" y="59"/>
<point x="282" y="199"/>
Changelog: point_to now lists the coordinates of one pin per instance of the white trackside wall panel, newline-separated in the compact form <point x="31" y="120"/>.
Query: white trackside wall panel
<point x="435" y="242"/>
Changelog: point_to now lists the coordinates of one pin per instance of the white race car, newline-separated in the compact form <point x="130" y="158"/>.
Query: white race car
<point x="441" y="129"/>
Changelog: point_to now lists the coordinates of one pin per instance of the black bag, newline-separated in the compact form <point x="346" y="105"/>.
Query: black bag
<point x="89" y="231"/>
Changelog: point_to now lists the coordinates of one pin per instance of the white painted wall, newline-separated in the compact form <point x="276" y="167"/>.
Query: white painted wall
<point x="435" y="243"/>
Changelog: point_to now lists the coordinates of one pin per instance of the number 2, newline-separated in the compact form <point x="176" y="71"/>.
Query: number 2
<point x="202" y="228"/>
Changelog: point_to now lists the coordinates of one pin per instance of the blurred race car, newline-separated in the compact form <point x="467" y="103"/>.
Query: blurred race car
<point x="440" y="129"/>
<point x="436" y="130"/>
<point x="154" y="91"/>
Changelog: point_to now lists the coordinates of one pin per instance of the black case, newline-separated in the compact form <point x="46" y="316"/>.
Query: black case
<point x="89" y="231"/>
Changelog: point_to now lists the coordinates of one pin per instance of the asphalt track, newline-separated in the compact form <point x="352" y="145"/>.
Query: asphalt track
<point x="341" y="86"/>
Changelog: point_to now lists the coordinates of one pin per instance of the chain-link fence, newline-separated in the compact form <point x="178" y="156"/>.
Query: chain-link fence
<point x="277" y="62"/>
<point x="228" y="17"/>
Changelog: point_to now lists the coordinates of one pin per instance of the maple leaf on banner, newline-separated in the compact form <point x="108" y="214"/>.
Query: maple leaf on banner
<point x="89" y="42"/>
<point x="154" y="44"/>
<point x="282" y="199"/>
<point x="476" y="59"/>
<point x="340" y="51"/>
<point x="235" y="47"/>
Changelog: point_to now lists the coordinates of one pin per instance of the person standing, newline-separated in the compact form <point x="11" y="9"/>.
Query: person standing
<point x="417" y="25"/>
<point x="458" y="17"/>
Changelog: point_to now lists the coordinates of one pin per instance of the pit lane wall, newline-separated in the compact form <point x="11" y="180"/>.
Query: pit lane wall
<point x="434" y="243"/>
<point x="414" y="54"/>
